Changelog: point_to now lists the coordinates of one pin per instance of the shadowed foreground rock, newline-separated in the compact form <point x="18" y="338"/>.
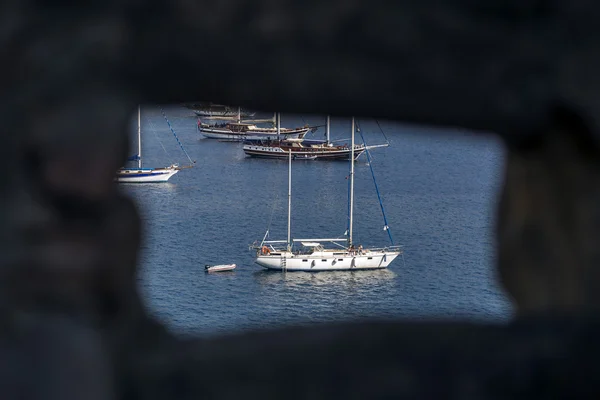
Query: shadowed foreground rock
<point x="50" y="357"/>
<point x="376" y="360"/>
<point x="74" y="325"/>
<point x="550" y="219"/>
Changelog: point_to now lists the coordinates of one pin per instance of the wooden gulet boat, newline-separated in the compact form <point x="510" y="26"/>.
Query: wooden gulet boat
<point x="238" y="130"/>
<point x="303" y="149"/>
<point x="217" y="110"/>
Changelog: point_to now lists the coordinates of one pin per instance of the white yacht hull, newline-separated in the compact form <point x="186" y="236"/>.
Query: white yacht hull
<point x="145" y="175"/>
<point x="317" y="263"/>
<point x="210" y="134"/>
<point x="225" y="134"/>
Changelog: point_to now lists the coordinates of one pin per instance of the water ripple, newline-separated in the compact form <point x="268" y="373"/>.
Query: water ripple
<point x="438" y="190"/>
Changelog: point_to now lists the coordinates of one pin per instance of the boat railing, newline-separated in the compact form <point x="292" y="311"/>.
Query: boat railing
<point x="259" y="244"/>
<point x="387" y="248"/>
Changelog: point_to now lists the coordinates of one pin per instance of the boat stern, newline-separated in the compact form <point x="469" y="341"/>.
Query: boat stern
<point x="268" y="262"/>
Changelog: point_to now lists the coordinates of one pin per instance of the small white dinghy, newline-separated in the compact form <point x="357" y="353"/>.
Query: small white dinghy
<point x="219" y="268"/>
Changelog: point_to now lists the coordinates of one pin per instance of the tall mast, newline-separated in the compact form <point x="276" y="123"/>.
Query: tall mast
<point x="239" y="114"/>
<point x="278" y="125"/>
<point x="351" y="184"/>
<point x="139" y="139"/>
<point x="289" y="231"/>
<point x="327" y="129"/>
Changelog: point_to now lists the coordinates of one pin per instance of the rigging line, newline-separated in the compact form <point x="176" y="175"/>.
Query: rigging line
<point x="386" y="227"/>
<point x="174" y="134"/>
<point x="311" y="131"/>
<point x="153" y="128"/>
<point x="382" y="132"/>
<point x="274" y="194"/>
<point x="273" y="207"/>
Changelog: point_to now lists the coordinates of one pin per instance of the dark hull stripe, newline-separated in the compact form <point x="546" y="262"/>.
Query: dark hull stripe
<point x="251" y="133"/>
<point x="268" y="154"/>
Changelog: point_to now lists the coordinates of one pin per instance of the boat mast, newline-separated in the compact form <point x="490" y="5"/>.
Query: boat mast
<point x="239" y="115"/>
<point x="327" y="130"/>
<point x="351" y="185"/>
<point x="289" y="231"/>
<point x="139" y="139"/>
<point x="278" y="125"/>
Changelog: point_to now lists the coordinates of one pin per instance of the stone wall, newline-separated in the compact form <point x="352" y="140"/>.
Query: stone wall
<point x="73" y="322"/>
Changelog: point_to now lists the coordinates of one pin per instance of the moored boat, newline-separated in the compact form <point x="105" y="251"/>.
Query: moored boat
<point x="147" y="175"/>
<point x="313" y="256"/>
<point x="300" y="150"/>
<point x="304" y="149"/>
<point x="241" y="131"/>
<point x="219" y="267"/>
<point x="217" y="110"/>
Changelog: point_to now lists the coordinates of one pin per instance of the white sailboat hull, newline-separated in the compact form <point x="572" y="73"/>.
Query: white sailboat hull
<point x="318" y="263"/>
<point x="145" y="175"/>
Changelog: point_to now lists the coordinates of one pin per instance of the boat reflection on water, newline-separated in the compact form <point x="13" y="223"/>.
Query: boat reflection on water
<point x="165" y="191"/>
<point x="153" y="186"/>
<point x="349" y="279"/>
<point x="305" y="298"/>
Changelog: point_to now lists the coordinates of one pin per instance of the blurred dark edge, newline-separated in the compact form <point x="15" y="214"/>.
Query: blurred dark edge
<point x="73" y="73"/>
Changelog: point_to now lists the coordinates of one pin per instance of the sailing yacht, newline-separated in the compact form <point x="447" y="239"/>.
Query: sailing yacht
<point x="144" y="175"/>
<point x="303" y="149"/>
<point x="337" y="254"/>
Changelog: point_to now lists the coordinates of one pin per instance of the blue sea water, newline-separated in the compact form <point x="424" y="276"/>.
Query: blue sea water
<point x="439" y="191"/>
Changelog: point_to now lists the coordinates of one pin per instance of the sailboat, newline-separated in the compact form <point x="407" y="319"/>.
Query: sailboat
<point x="144" y="175"/>
<point x="337" y="254"/>
<point x="239" y="130"/>
<point x="304" y="149"/>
